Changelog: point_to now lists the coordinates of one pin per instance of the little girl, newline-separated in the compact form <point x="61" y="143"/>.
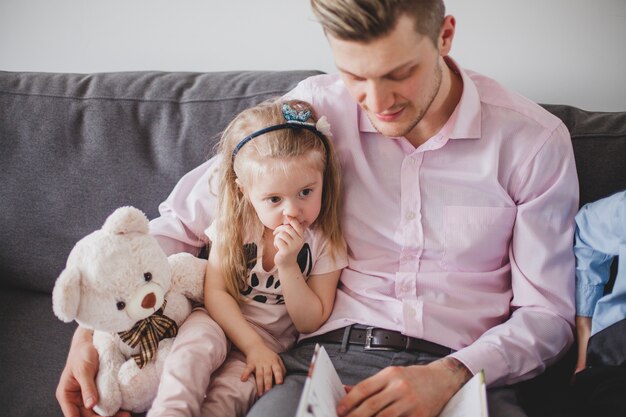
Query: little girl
<point x="276" y="255"/>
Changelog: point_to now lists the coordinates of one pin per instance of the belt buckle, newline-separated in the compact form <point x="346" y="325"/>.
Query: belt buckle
<point x="368" y="341"/>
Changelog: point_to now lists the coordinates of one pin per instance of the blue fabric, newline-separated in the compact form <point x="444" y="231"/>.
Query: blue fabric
<point x="600" y="236"/>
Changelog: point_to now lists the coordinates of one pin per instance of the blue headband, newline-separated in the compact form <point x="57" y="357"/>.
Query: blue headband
<point x="294" y="120"/>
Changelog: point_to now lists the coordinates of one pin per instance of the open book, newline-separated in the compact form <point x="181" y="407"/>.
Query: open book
<point x="323" y="390"/>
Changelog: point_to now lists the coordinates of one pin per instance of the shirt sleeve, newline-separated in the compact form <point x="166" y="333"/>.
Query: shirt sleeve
<point x="187" y="211"/>
<point x="210" y="232"/>
<point x="540" y="327"/>
<point x="600" y="227"/>
<point x="302" y="91"/>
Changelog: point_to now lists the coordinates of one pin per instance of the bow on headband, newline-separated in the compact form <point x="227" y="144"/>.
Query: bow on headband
<point x="148" y="332"/>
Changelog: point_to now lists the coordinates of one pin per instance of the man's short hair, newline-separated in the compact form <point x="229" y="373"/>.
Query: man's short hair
<point x="367" y="20"/>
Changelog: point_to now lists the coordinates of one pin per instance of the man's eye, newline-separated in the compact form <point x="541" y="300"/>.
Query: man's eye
<point x="354" y="78"/>
<point x="400" y="76"/>
<point x="403" y="74"/>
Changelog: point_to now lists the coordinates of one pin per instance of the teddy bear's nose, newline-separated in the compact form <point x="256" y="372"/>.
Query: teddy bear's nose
<point x="148" y="301"/>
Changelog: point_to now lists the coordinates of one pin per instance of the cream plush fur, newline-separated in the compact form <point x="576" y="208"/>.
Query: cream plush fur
<point x="109" y="275"/>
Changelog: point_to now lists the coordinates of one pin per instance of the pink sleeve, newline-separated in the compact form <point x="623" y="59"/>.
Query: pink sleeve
<point x="540" y="329"/>
<point x="302" y="91"/>
<point x="187" y="212"/>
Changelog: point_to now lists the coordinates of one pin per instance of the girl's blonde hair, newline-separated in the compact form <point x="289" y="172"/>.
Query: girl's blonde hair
<point x="236" y="219"/>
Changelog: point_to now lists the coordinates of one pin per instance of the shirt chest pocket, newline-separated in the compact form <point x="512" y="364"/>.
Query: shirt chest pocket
<point x="476" y="239"/>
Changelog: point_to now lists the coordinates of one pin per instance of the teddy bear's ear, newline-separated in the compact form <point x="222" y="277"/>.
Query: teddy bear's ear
<point x="125" y="220"/>
<point x="66" y="294"/>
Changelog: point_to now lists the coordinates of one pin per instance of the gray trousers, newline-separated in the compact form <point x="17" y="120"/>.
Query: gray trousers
<point x="353" y="365"/>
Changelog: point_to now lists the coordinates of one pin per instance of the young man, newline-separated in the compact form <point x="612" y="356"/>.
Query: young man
<point x="459" y="205"/>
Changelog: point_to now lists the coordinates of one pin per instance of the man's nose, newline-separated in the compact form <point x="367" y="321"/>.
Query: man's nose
<point x="377" y="98"/>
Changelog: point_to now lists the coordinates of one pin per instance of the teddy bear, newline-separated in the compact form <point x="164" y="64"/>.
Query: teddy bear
<point x="119" y="283"/>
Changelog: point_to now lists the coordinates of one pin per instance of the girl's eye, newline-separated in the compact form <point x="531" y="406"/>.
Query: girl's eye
<point x="121" y="305"/>
<point x="305" y="192"/>
<point x="274" y="200"/>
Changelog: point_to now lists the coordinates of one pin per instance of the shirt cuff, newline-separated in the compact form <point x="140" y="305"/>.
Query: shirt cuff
<point x="587" y="297"/>
<point x="487" y="357"/>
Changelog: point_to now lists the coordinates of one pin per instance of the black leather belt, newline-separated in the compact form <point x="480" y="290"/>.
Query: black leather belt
<point x="373" y="338"/>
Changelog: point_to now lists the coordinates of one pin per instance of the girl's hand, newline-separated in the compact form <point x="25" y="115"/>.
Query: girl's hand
<point x="288" y="239"/>
<point x="267" y="367"/>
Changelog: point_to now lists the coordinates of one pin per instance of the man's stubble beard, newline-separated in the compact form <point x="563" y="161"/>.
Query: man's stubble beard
<point x="418" y="118"/>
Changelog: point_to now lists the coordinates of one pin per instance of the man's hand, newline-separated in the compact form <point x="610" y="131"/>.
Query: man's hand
<point x="267" y="367"/>
<point x="416" y="391"/>
<point x="76" y="392"/>
<point x="288" y="239"/>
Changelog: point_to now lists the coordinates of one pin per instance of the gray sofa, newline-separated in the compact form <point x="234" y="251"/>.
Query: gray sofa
<point x="75" y="147"/>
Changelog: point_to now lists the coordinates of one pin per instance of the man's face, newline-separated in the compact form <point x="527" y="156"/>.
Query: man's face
<point x="395" y="79"/>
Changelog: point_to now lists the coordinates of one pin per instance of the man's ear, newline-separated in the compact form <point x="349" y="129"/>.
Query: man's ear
<point x="446" y="35"/>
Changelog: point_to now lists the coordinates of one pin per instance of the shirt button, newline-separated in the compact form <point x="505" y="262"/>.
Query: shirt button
<point x="410" y="215"/>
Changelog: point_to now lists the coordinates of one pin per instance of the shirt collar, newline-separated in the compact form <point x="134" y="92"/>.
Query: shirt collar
<point x="365" y="125"/>
<point x="465" y="121"/>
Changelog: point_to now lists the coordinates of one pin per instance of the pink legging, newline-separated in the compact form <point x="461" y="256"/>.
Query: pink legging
<point x="201" y="375"/>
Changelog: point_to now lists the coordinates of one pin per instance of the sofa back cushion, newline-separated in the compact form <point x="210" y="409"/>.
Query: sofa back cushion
<point x="599" y="140"/>
<point x="75" y="147"/>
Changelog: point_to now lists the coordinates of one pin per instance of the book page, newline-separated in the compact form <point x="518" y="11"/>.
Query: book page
<point x="323" y="388"/>
<point x="470" y="400"/>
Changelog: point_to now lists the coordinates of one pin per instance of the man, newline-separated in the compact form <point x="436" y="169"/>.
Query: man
<point x="459" y="206"/>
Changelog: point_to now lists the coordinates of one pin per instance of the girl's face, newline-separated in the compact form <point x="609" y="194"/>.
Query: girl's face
<point x="284" y="194"/>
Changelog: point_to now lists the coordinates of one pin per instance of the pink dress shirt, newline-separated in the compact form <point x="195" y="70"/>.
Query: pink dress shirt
<point x="465" y="241"/>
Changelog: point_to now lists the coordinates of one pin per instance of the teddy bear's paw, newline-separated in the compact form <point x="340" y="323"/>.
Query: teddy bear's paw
<point x="100" y="411"/>
<point x="129" y="374"/>
<point x="107" y="407"/>
<point x="138" y="386"/>
<point x="132" y="378"/>
<point x="110" y="397"/>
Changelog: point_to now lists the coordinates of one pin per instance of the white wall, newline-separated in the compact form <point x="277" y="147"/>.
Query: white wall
<point x="553" y="51"/>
